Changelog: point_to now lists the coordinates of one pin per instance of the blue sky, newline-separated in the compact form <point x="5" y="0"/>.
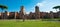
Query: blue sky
<point x="44" y="5"/>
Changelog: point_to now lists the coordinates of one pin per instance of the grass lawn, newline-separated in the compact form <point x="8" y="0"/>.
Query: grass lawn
<point x="28" y="23"/>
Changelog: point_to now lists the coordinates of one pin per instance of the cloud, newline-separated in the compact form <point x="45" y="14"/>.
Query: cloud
<point x="47" y="5"/>
<point x="40" y="4"/>
<point x="27" y="12"/>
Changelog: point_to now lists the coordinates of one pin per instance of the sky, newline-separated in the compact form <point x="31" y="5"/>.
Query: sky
<point x="44" y="5"/>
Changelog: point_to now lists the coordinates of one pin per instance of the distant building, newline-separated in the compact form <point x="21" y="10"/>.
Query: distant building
<point x="22" y="12"/>
<point x="36" y="15"/>
<point x="37" y="12"/>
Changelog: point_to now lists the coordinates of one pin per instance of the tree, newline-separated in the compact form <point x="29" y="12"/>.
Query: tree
<point x="3" y="7"/>
<point x="57" y="7"/>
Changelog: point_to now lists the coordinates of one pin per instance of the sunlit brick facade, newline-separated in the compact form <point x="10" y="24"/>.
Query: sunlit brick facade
<point x="36" y="15"/>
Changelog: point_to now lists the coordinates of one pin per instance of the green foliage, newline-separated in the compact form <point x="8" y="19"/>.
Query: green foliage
<point x="56" y="7"/>
<point x="3" y="7"/>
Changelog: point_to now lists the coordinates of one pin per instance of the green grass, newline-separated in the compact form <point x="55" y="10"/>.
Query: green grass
<point x="28" y="23"/>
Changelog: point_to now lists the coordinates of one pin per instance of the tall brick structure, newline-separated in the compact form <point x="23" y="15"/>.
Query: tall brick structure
<point x="37" y="12"/>
<point x="22" y="12"/>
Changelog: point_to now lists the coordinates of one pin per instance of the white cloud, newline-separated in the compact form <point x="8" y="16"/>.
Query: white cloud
<point x="27" y="12"/>
<point x="47" y="5"/>
<point x="40" y="4"/>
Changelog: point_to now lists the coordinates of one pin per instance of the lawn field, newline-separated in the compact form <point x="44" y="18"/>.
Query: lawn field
<point x="29" y="23"/>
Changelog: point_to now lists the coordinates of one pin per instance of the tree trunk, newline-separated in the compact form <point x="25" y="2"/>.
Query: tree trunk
<point x="23" y="18"/>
